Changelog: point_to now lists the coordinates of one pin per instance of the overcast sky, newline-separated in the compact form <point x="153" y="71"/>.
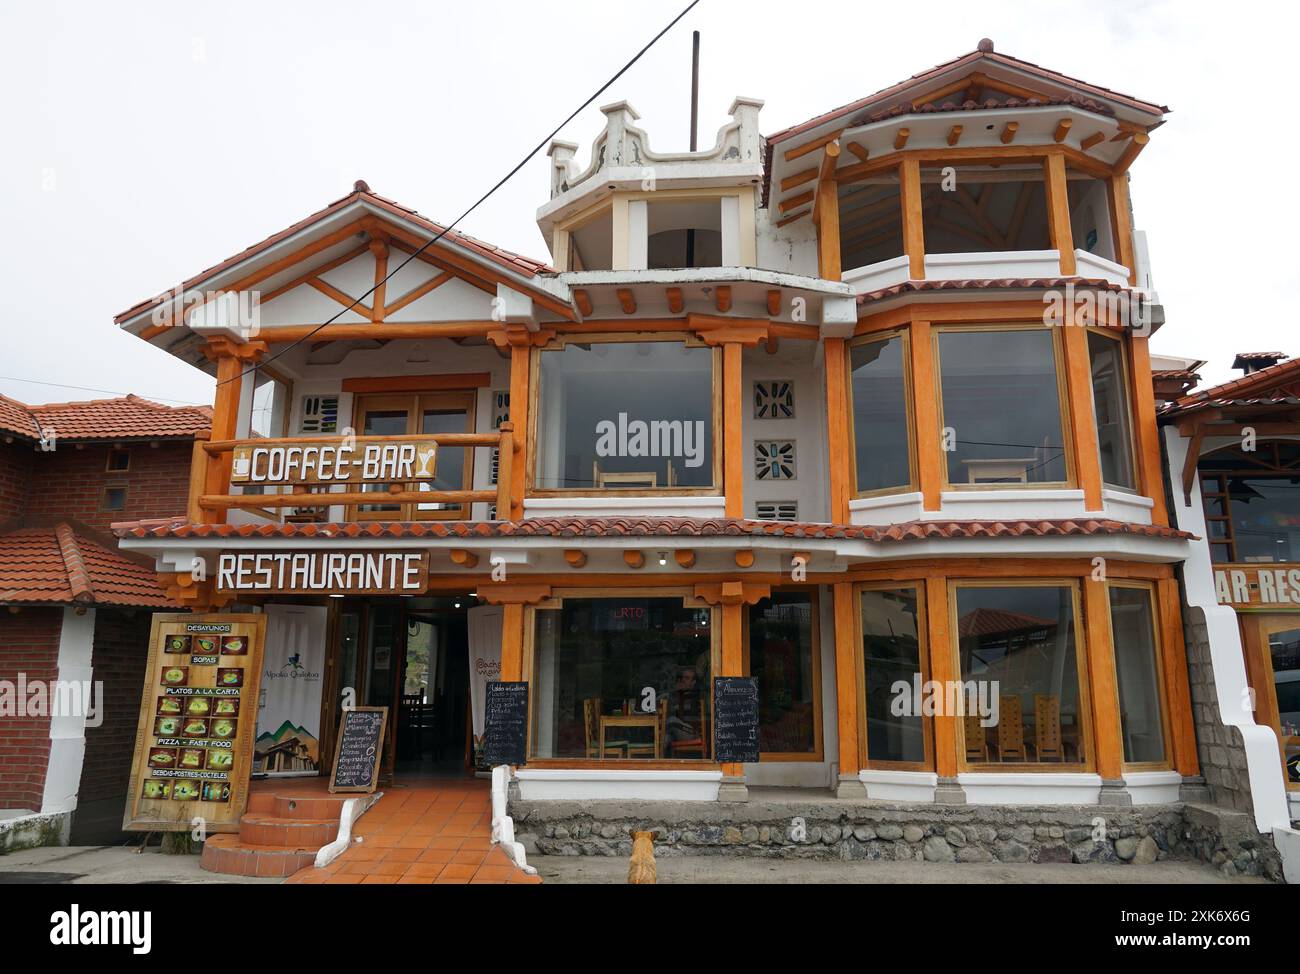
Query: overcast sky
<point x="144" y="142"/>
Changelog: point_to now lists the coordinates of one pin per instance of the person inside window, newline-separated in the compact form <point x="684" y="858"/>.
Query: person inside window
<point x="684" y="706"/>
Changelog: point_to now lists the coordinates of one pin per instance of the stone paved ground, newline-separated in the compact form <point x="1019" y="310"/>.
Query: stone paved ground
<point x="727" y="869"/>
<point x="107" y="864"/>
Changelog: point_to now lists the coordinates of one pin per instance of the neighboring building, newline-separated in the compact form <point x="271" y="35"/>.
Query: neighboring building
<point x="1234" y="469"/>
<point x="793" y="407"/>
<point x="73" y="607"/>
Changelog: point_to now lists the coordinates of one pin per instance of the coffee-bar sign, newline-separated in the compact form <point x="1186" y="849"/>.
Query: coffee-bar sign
<point x="1274" y="586"/>
<point x="350" y="460"/>
<point x="323" y="572"/>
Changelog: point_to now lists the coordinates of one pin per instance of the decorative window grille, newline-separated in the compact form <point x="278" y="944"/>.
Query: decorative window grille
<point x="777" y="510"/>
<point x="774" y="460"/>
<point x="320" y="414"/>
<point x="774" y="399"/>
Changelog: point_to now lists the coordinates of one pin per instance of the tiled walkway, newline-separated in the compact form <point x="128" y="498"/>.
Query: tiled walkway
<point x="423" y="831"/>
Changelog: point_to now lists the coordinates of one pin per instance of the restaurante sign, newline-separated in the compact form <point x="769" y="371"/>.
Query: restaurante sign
<point x="321" y="572"/>
<point x="335" y="461"/>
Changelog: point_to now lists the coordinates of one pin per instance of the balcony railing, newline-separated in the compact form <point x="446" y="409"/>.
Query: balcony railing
<point x="211" y="495"/>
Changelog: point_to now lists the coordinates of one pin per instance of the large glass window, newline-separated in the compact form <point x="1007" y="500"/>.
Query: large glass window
<point x="625" y="416"/>
<point x="1137" y="670"/>
<point x="1018" y="657"/>
<point x="622" y="677"/>
<point x="1250" y="502"/>
<point x="893" y="674"/>
<point x="783" y="658"/>
<point x="1110" y="406"/>
<point x="881" y="432"/>
<point x="1284" y="657"/>
<point x="1001" y="406"/>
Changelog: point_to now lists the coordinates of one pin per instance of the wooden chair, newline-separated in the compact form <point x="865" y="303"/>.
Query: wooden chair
<point x="1047" y="728"/>
<point x="591" y="728"/>
<point x="655" y="748"/>
<point x="1011" y="730"/>
<point x="637" y="478"/>
<point x="700" y="745"/>
<point x="977" y="741"/>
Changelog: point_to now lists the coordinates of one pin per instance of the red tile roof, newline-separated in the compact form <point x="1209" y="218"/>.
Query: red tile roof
<point x="125" y="418"/>
<point x="994" y="622"/>
<point x="646" y="527"/>
<point x="990" y="104"/>
<point x="966" y="60"/>
<point x="59" y="566"/>
<point x="517" y="263"/>
<point x="1269" y="386"/>
<point x="1009" y="283"/>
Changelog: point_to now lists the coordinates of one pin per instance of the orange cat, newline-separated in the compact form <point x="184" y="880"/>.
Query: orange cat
<point x="641" y="870"/>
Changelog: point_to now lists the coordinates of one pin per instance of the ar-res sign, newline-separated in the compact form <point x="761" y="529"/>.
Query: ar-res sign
<point x="318" y="572"/>
<point x="334" y="462"/>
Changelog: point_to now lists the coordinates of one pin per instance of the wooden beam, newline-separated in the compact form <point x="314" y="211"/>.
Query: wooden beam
<point x="463" y="557"/>
<point x="859" y="150"/>
<point x="347" y="300"/>
<point x="812" y="146"/>
<point x="1173" y="656"/>
<point x="1062" y="130"/>
<point x="1083" y="423"/>
<point x="1103" y="686"/>
<point x="830" y="159"/>
<point x="837" y="425"/>
<point x="634" y="559"/>
<point x="1190" y="461"/>
<point x="794" y="202"/>
<point x="745" y="558"/>
<point x="418" y="292"/>
<point x="792" y="217"/>
<point x="1009" y="132"/>
<point x="930" y="458"/>
<point x="722" y="298"/>
<point x="827" y="218"/>
<point x="1148" y="434"/>
<point x="1091" y="140"/>
<point x="675" y="302"/>
<point x="1136" y="145"/>
<point x="627" y="300"/>
<point x="685" y="557"/>
<point x="379" y="248"/>
<point x="1058" y="211"/>
<point x="575" y="558"/>
<point x="848" y="690"/>
<point x="1122" y="222"/>
<point x="733" y="413"/>
<point x="913" y="227"/>
<point x="773" y="302"/>
<point x="583" y="300"/>
<point x="942" y="659"/>
<point x="798" y="179"/>
<point x="900" y="138"/>
<point x="954" y="135"/>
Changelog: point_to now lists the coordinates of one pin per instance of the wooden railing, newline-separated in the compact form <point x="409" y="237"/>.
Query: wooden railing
<point x="211" y="463"/>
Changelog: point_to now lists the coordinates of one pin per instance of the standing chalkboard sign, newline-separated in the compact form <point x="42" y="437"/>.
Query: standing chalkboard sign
<point x="505" y="732"/>
<point x="357" y="751"/>
<point x="735" y="718"/>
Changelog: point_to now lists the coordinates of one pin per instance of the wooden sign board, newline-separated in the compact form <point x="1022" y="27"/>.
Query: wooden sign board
<point x="323" y="572"/>
<point x="735" y="719"/>
<point x="198" y="718"/>
<point x="334" y="461"/>
<point x="358" y="749"/>
<point x="505" y="723"/>
<point x="1263" y="586"/>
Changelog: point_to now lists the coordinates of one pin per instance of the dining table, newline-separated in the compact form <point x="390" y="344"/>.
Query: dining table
<point x="631" y="720"/>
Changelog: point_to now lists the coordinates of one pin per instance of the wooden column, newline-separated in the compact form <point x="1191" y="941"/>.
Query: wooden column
<point x="826" y="215"/>
<point x="1058" y="211"/>
<point x="1083" y="417"/>
<point x="930" y="457"/>
<point x="512" y="599"/>
<point x="521" y="359"/>
<point x="842" y="453"/>
<point x="1121" y="219"/>
<point x="732" y="598"/>
<point x="733" y="417"/>
<point x="1146" y="432"/>
<point x="913" y="228"/>
<point x="943" y="667"/>
<point x="233" y="359"/>
<point x="847" y="698"/>
<point x="1103" y="686"/>
<point x="1173" y="655"/>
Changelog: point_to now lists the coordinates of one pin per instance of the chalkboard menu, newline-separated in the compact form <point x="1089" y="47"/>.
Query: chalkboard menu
<point x="735" y="718"/>
<point x="357" y="751"/>
<point x="505" y="731"/>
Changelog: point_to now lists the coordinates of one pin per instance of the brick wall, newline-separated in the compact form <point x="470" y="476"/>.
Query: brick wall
<point x="15" y="472"/>
<point x="70" y="483"/>
<point x="120" y="654"/>
<point x="29" y="643"/>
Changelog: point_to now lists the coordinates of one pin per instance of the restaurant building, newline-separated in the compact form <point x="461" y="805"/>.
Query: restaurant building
<point x="1234" y="465"/>
<point x="862" y="409"/>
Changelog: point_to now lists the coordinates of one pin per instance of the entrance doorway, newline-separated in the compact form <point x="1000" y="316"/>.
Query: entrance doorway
<point x="410" y="655"/>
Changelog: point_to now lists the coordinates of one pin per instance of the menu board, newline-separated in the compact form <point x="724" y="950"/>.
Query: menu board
<point x="198" y="717"/>
<point x="505" y="733"/>
<point x="357" y="752"/>
<point x="735" y="723"/>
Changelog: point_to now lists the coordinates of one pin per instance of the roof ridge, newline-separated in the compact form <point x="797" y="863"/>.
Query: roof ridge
<point x="78" y="577"/>
<point x="1259" y="378"/>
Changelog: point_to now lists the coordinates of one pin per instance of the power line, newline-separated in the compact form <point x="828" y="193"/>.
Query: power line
<point x="482" y="199"/>
<point x="106" y="392"/>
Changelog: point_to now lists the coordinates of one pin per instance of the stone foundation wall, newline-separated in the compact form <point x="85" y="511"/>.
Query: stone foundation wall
<point x="1219" y="747"/>
<point x="849" y="831"/>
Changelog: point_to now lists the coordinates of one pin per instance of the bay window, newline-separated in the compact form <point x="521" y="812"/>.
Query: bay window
<point x="893" y="673"/>
<point x="1110" y="408"/>
<point x="878" y="392"/>
<point x="1137" y="672"/>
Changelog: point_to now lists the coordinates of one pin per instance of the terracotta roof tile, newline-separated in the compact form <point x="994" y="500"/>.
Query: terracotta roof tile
<point x="124" y="418"/>
<point x="991" y="104"/>
<point x="646" y="527"/>
<point x="1275" y="384"/>
<point x="57" y="565"/>
<point x="1019" y="283"/>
